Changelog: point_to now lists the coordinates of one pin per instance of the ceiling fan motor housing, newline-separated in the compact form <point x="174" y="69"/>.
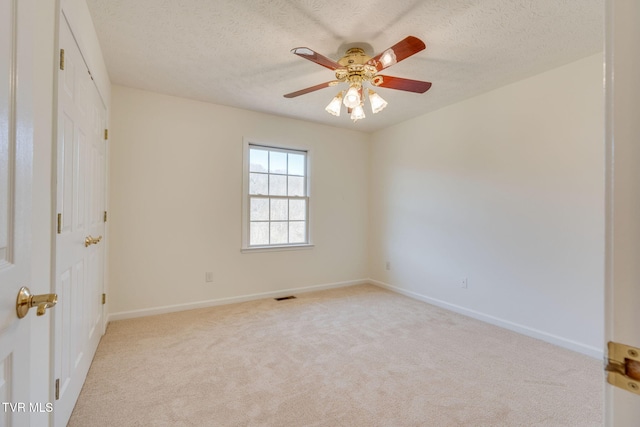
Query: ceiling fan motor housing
<point x="355" y="69"/>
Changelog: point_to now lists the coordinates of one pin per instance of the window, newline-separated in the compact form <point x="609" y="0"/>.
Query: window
<point x="276" y="202"/>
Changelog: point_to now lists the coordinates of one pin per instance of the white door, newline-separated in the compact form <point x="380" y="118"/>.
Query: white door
<point x="80" y="238"/>
<point x="623" y="199"/>
<point x="16" y="157"/>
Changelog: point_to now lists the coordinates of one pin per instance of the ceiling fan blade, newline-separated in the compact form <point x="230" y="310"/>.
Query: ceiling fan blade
<point x="311" y="89"/>
<point x="396" y="53"/>
<point x="408" y="85"/>
<point x="312" y="56"/>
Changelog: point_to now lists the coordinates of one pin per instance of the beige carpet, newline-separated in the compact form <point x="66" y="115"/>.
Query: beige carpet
<point x="356" y="356"/>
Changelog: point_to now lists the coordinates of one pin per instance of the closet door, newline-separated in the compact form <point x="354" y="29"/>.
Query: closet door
<point x="80" y="238"/>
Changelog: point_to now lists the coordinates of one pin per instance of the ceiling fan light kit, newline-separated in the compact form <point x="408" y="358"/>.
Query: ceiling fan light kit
<point x="357" y="113"/>
<point x="356" y="68"/>
<point x="352" y="98"/>
<point x="334" y="105"/>
<point x="376" y="101"/>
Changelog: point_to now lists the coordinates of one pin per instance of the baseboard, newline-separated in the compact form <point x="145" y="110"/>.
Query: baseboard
<point x="230" y="300"/>
<point x="524" y="330"/>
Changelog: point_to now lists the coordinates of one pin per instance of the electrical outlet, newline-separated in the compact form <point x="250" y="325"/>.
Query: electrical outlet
<point x="388" y="265"/>
<point x="463" y="283"/>
<point x="208" y="276"/>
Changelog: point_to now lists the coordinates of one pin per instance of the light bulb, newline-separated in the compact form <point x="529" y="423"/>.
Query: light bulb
<point x="357" y="113"/>
<point x="334" y="105"/>
<point x="352" y="98"/>
<point x="377" y="103"/>
<point x="388" y="58"/>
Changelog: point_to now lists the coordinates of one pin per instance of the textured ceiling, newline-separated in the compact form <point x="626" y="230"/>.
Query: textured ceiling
<point x="237" y="52"/>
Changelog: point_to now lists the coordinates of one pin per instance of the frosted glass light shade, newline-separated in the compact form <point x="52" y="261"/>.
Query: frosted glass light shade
<point x="377" y="103"/>
<point x="357" y="113"/>
<point x="388" y="58"/>
<point x="334" y="105"/>
<point x="352" y="98"/>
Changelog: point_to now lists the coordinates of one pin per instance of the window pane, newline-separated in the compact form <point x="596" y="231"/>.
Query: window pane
<point x="258" y="183"/>
<point x="258" y="160"/>
<point x="279" y="233"/>
<point x="259" y="209"/>
<point x="278" y="199"/>
<point x="277" y="162"/>
<point x="297" y="232"/>
<point x="259" y="233"/>
<point x="279" y="210"/>
<point x="296" y="164"/>
<point x="297" y="210"/>
<point x="296" y="186"/>
<point x="277" y="185"/>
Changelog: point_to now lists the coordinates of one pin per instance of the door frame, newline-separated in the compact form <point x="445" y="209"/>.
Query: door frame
<point x="622" y="186"/>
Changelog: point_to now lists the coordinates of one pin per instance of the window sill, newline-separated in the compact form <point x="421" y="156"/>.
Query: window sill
<point x="276" y="248"/>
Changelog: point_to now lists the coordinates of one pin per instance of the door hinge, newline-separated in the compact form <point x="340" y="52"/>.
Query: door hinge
<point x="57" y="388"/>
<point x="62" y="59"/>
<point x="623" y="367"/>
<point x="105" y="216"/>
<point x="59" y="223"/>
<point x="104" y="299"/>
<point x="106" y="134"/>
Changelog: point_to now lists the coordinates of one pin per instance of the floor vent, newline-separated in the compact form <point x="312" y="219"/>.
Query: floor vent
<point x="284" y="298"/>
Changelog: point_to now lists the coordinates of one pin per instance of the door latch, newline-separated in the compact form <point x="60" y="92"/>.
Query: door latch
<point x="623" y="367"/>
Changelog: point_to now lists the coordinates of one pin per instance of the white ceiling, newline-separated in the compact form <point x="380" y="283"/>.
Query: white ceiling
<point x="237" y="52"/>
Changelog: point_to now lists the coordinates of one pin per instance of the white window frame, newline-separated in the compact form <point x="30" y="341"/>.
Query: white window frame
<point x="246" y="248"/>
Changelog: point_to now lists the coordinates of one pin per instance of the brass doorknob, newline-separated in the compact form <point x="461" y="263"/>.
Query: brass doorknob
<point x="88" y="241"/>
<point x="26" y="300"/>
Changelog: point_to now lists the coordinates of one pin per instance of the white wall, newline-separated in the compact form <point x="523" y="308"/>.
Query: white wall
<point x="175" y="203"/>
<point x="505" y="189"/>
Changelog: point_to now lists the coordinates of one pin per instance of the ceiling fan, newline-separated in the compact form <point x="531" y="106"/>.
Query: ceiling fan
<point x="356" y="68"/>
